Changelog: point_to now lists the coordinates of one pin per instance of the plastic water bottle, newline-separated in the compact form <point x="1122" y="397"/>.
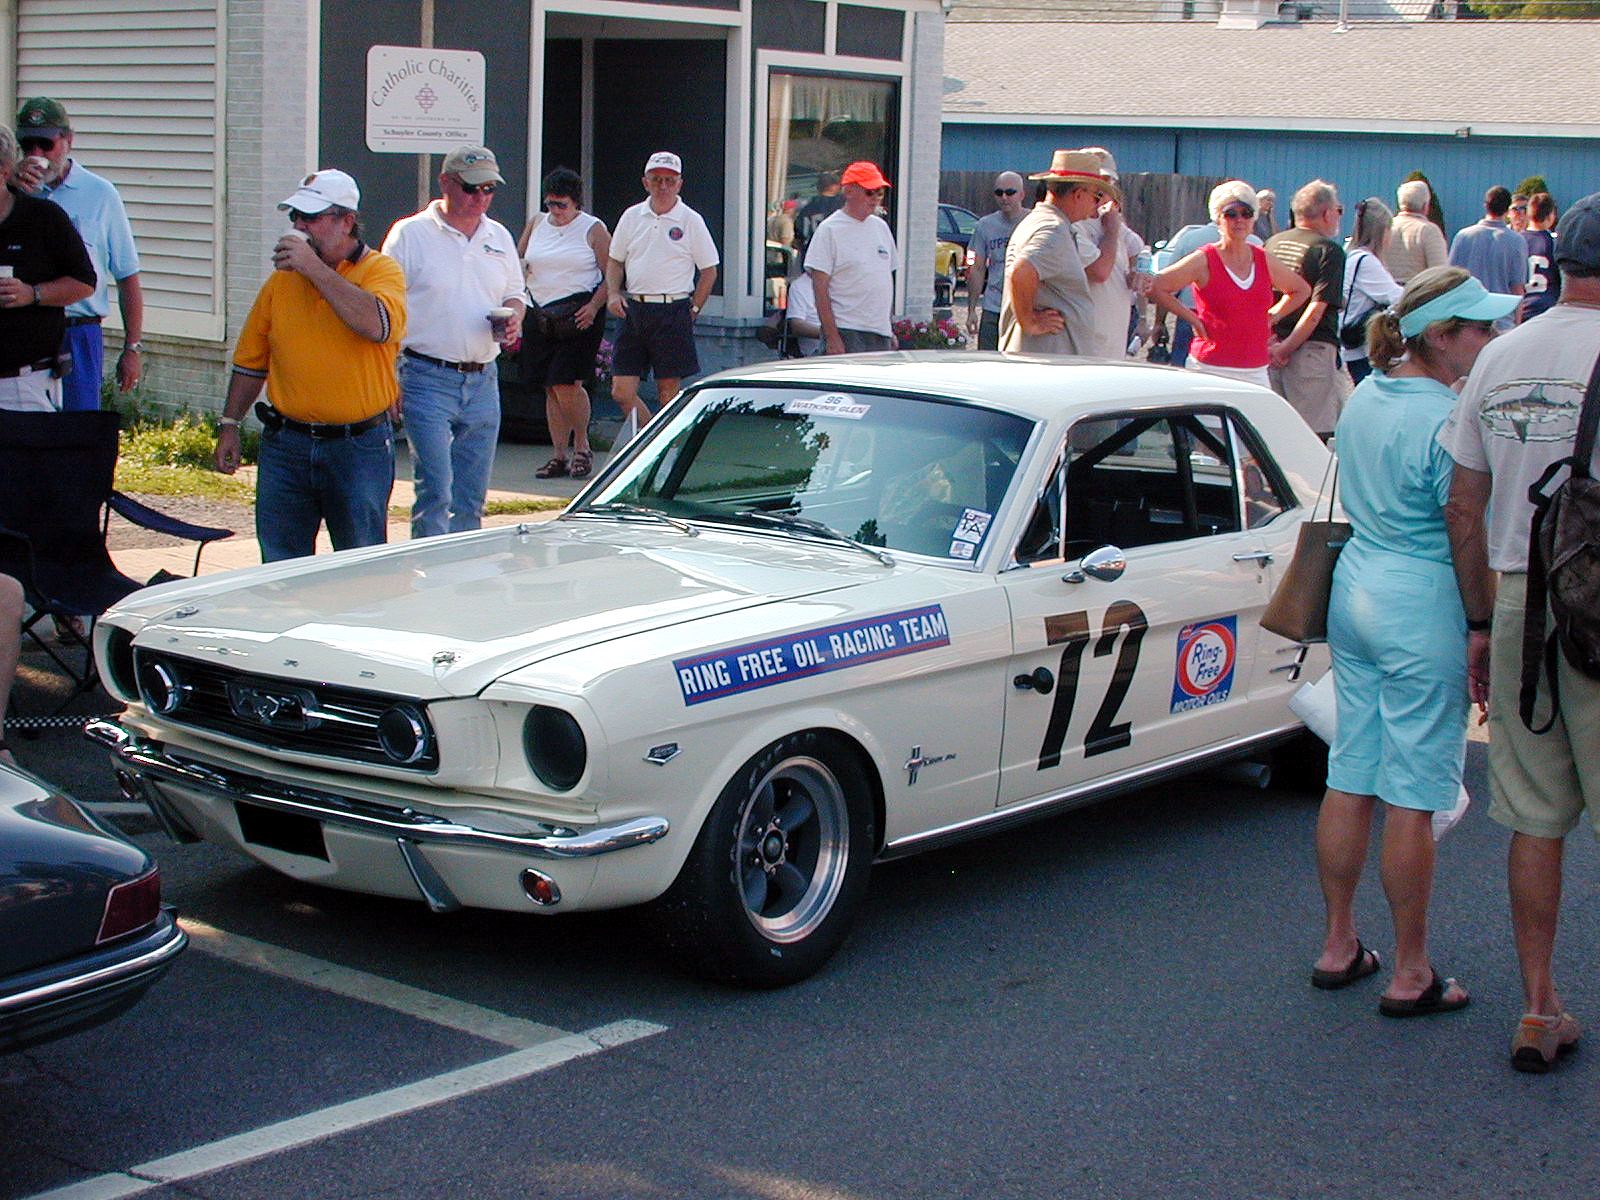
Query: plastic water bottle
<point x="1145" y="261"/>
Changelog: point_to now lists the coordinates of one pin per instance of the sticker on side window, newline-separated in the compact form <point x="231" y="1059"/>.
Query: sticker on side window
<point x="834" y="404"/>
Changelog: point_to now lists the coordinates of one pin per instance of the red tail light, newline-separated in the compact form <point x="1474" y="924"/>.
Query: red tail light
<point x="131" y="906"/>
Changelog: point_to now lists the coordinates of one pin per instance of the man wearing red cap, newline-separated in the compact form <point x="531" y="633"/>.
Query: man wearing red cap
<point x="852" y="259"/>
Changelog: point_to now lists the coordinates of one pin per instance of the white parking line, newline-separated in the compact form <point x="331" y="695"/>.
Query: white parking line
<point x="374" y="989"/>
<point x="354" y="1114"/>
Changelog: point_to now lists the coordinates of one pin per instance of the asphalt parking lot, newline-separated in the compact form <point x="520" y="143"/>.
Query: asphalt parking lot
<point x="1107" y="1004"/>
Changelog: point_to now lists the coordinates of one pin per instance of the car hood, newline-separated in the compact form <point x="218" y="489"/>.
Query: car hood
<point x="447" y="616"/>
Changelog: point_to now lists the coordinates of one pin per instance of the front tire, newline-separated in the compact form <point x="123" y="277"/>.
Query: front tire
<point x="771" y="886"/>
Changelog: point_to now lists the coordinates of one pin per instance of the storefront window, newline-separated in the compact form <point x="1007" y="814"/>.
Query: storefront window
<point x="816" y="126"/>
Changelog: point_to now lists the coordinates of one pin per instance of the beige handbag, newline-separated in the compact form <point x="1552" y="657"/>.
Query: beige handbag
<point x="1298" y="610"/>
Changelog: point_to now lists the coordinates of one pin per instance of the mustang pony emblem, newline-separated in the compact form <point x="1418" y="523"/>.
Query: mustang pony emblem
<point x="269" y="708"/>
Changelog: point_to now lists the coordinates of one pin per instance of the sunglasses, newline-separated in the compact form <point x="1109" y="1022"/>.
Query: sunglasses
<point x="43" y="144"/>
<point x="1238" y="214"/>
<point x="1005" y="191"/>
<point x="558" y="205"/>
<point x="472" y="189"/>
<point x="296" y="216"/>
<point x="1480" y="326"/>
<point x="1519" y="208"/>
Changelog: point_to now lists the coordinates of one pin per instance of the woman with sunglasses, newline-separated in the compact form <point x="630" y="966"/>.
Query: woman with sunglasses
<point x="1398" y="635"/>
<point x="564" y="251"/>
<point x="1233" y="283"/>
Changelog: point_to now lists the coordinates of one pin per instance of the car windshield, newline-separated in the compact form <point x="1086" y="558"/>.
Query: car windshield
<point x="910" y="474"/>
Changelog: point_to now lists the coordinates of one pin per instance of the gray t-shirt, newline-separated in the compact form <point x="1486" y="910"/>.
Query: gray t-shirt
<point x="1518" y="413"/>
<point x="988" y="246"/>
<point x="1044" y="239"/>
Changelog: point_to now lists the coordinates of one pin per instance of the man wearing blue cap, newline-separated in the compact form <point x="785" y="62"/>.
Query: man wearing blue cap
<point x="1518" y="414"/>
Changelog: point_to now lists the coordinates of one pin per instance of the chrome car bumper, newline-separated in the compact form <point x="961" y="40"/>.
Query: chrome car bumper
<point x="142" y="762"/>
<point x="91" y="988"/>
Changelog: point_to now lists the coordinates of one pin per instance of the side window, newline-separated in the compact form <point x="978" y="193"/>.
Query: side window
<point x="1130" y="481"/>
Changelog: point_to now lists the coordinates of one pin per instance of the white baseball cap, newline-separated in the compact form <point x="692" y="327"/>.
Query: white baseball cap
<point x="664" y="160"/>
<point x="323" y="189"/>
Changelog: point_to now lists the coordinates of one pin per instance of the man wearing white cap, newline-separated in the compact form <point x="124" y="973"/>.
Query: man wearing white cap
<point x="321" y="338"/>
<point x="459" y="266"/>
<point x="661" y="267"/>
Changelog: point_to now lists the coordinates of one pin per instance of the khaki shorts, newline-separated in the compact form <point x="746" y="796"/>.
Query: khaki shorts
<point x="1537" y="785"/>
<point x="1315" y="383"/>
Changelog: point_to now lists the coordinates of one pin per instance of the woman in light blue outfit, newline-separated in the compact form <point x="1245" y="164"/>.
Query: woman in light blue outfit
<point x="1398" y="634"/>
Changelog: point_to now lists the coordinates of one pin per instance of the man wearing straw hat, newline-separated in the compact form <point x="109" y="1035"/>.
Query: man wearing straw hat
<point x="1047" y="307"/>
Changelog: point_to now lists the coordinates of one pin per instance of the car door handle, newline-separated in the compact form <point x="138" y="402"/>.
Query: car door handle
<point x="1040" y="681"/>
<point x="1259" y="556"/>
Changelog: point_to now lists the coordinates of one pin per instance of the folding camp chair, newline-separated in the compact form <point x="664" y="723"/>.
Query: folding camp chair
<point x="56" y="474"/>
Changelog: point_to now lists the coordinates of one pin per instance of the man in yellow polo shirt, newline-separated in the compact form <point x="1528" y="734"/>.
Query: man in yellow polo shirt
<point x="322" y="338"/>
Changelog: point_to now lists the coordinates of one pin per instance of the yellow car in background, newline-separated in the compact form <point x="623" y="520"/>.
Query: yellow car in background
<point x="949" y="268"/>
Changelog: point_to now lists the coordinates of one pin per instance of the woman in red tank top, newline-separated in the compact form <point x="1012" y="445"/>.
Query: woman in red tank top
<point x="1234" y="282"/>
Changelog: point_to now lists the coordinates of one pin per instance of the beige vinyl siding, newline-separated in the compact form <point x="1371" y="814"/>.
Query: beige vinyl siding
<point x="142" y="82"/>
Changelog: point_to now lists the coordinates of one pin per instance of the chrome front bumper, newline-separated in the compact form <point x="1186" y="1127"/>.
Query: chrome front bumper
<point x="149" y="762"/>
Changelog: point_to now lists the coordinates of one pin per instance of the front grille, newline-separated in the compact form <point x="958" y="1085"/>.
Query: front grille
<point x="287" y="714"/>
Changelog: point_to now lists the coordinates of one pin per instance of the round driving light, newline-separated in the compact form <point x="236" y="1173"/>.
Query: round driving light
<point x="403" y="735"/>
<point x="162" y="687"/>
<point x="555" y="747"/>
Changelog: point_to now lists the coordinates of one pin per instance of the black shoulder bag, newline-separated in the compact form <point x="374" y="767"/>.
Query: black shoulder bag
<point x="1564" y="567"/>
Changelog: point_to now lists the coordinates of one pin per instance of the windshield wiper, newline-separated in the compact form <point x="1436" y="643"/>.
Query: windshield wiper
<point x="616" y="508"/>
<point x="798" y="524"/>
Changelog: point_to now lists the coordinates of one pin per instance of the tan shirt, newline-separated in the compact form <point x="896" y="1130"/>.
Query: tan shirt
<point x="1044" y="238"/>
<point x="1415" y="243"/>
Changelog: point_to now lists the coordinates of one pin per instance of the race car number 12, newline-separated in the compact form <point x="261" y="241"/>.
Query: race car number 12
<point x="1071" y="632"/>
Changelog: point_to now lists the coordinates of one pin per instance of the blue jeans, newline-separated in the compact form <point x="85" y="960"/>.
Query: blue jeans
<point x="453" y="420"/>
<point x="302" y="482"/>
<point x="80" y="391"/>
<point x="1182" y="335"/>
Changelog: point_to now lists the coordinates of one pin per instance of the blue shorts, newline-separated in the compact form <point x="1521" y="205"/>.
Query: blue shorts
<point x="656" y="337"/>
<point x="1399" y="643"/>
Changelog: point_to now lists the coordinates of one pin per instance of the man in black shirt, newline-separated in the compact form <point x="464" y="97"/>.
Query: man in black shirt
<point x="43" y="268"/>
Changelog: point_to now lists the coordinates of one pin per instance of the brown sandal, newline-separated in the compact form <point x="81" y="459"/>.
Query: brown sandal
<point x="554" y="469"/>
<point x="582" y="463"/>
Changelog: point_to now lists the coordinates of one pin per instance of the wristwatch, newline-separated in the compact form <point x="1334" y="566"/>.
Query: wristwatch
<point x="37" y="298"/>
<point x="135" y="347"/>
<point x="694" y="310"/>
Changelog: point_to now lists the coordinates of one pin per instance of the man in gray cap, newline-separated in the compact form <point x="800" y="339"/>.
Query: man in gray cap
<point x="44" y="133"/>
<point x="461" y="269"/>
<point x="1517" y="415"/>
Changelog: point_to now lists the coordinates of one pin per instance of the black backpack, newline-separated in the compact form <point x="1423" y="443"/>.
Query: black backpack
<point x="1564" y="567"/>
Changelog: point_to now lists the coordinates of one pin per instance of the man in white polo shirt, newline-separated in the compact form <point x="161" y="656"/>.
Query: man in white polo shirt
<point x="661" y="267"/>
<point x="851" y="260"/>
<point x="459" y="264"/>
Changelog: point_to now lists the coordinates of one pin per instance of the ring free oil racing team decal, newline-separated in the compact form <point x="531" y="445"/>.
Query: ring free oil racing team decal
<point x="1207" y="652"/>
<point x="813" y="652"/>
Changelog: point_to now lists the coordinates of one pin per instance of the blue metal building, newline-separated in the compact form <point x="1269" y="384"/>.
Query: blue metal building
<point x="1281" y="105"/>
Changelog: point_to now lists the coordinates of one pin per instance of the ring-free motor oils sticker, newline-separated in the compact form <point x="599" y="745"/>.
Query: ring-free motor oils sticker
<point x="1207" y="651"/>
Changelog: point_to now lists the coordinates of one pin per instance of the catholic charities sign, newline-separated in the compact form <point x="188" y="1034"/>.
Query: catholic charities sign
<point x="423" y="101"/>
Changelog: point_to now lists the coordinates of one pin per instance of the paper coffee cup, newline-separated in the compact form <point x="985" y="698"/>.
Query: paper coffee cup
<point x="36" y="160"/>
<point x="7" y="271"/>
<point x="498" y="317"/>
<point x="298" y="233"/>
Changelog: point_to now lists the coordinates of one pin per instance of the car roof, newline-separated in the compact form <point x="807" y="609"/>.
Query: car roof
<point x="1043" y="387"/>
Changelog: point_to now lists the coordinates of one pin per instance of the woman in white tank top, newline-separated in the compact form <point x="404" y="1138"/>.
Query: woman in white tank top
<point x="564" y="251"/>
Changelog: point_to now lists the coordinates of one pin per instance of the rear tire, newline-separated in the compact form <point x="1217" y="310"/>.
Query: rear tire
<point x="771" y="886"/>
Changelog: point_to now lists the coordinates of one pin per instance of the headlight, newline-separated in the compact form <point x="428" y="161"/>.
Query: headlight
<point x="555" y="747"/>
<point x="119" y="663"/>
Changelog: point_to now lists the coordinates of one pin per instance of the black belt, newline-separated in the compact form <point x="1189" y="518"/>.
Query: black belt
<point x="73" y="322"/>
<point x="44" y="364"/>
<point x="274" y="420"/>
<point x="464" y="368"/>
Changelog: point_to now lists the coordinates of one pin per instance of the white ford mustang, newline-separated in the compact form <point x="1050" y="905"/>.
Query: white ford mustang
<point x="821" y="613"/>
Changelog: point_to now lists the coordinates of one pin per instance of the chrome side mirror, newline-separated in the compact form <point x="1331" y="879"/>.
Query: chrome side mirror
<point x="1105" y="564"/>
